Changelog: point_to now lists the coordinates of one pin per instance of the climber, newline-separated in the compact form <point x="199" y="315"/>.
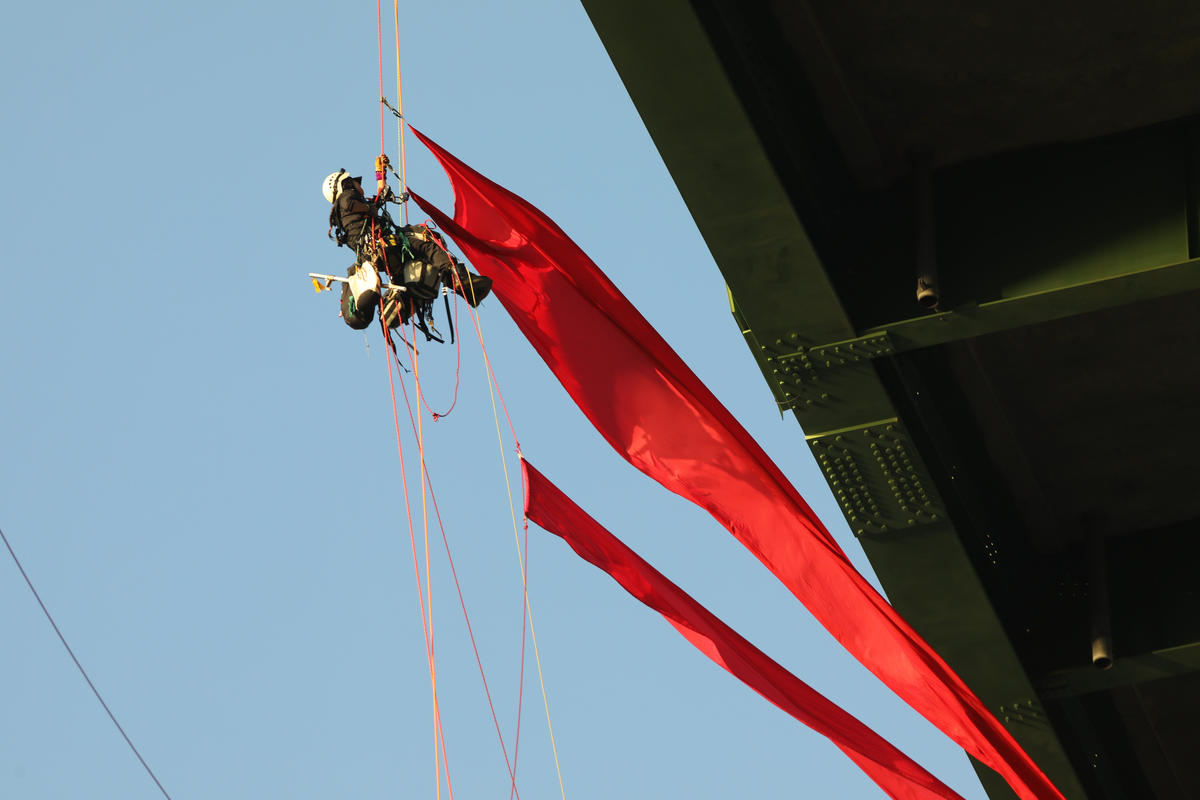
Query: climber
<point x="413" y="258"/>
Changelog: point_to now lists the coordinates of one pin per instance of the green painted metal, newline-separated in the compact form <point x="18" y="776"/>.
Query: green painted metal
<point x="814" y="359"/>
<point x="1126" y="671"/>
<point x="978" y="319"/>
<point x="1039" y="220"/>
<point x="877" y="478"/>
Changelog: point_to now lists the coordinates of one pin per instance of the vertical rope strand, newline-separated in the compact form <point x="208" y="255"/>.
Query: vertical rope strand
<point x="462" y="601"/>
<point x="425" y="530"/>
<point x="429" y="483"/>
<point x="524" y="628"/>
<point x="528" y="610"/>
<point x="400" y="123"/>
<point x="379" y="31"/>
<point x="425" y="623"/>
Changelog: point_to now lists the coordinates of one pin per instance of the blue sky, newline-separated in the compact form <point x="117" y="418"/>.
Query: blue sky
<point x="199" y="469"/>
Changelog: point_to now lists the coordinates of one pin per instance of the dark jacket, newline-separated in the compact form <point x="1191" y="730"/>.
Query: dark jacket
<point x="352" y="213"/>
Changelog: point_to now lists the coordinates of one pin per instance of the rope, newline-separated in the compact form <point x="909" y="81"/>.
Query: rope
<point x="79" y="666"/>
<point x="400" y="122"/>
<point x="426" y="624"/>
<point x="522" y="549"/>
<point x="522" y="552"/>
<point x="458" y="587"/>
<point x="522" y="555"/>
<point x="473" y="313"/>
<point x="379" y="23"/>
<point x="524" y="618"/>
<point x="420" y="432"/>
<point x="457" y="371"/>
<point x="454" y="324"/>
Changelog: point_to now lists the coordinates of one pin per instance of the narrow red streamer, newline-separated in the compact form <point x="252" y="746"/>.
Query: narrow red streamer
<point x="894" y="772"/>
<point x="655" y="412"/>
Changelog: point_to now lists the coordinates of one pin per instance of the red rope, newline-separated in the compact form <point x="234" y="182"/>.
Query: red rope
<point x="457" y="340"/>
<point x="457" y="371"/>
<point x="524" y="625"/>
<point x="428" y="225"/>
<point x="511" y="765"/>
<point x="457" y="586"/>
<point x="525" y="547"/>
<point x="425" y="626"/>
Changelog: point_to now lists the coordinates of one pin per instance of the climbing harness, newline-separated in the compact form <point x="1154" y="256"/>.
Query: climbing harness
<point x="405" y="254"/>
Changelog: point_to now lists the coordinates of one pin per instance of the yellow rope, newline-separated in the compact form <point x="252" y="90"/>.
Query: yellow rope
<point x="438" y="742"/>
<point x="400" y="125"/>
<point x="421" y="595"/>
<point x="400" y="107"/>
<point x="545" y="699"/>
<point x="520" y="557"/>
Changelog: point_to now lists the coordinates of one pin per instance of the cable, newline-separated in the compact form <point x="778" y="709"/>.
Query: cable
<point x="82" y="671"/>
<point x="521" y="552"/>
<point x="379" y="22"/>
<point x="425" y="623"/>
<point x="400" y="123"/>
<point x="457" y="371"/>
<point x="428" y="579"/>
<point x="462" y="602"/>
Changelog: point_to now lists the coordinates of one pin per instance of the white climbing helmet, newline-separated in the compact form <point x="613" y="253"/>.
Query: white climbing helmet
<point x="334" y="184"/>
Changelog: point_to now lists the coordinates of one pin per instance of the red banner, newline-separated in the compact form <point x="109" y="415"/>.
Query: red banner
<point x="894" y="772"/>
<point x="658" y="415"/>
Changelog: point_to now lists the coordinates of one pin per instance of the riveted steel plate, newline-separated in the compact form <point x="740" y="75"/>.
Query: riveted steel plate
<point x="877" y="478"/>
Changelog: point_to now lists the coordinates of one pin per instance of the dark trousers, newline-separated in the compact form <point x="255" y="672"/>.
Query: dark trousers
<point x="390" y="257"/>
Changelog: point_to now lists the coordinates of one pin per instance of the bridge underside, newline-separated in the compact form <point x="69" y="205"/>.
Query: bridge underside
<point x="1019" y="463"/>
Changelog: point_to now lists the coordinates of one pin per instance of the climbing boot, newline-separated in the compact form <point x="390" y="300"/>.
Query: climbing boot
<point x="471" y="287"/>
<point x="396" y="308"/>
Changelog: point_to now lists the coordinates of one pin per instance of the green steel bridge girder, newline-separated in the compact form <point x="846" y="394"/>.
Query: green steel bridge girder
<point x="812" y="378"/>
<point x="777" y="280"/>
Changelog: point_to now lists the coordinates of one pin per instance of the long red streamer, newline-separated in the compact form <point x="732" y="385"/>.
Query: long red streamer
<point x="894" y="772"/>
<point x="659" y="416"/>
